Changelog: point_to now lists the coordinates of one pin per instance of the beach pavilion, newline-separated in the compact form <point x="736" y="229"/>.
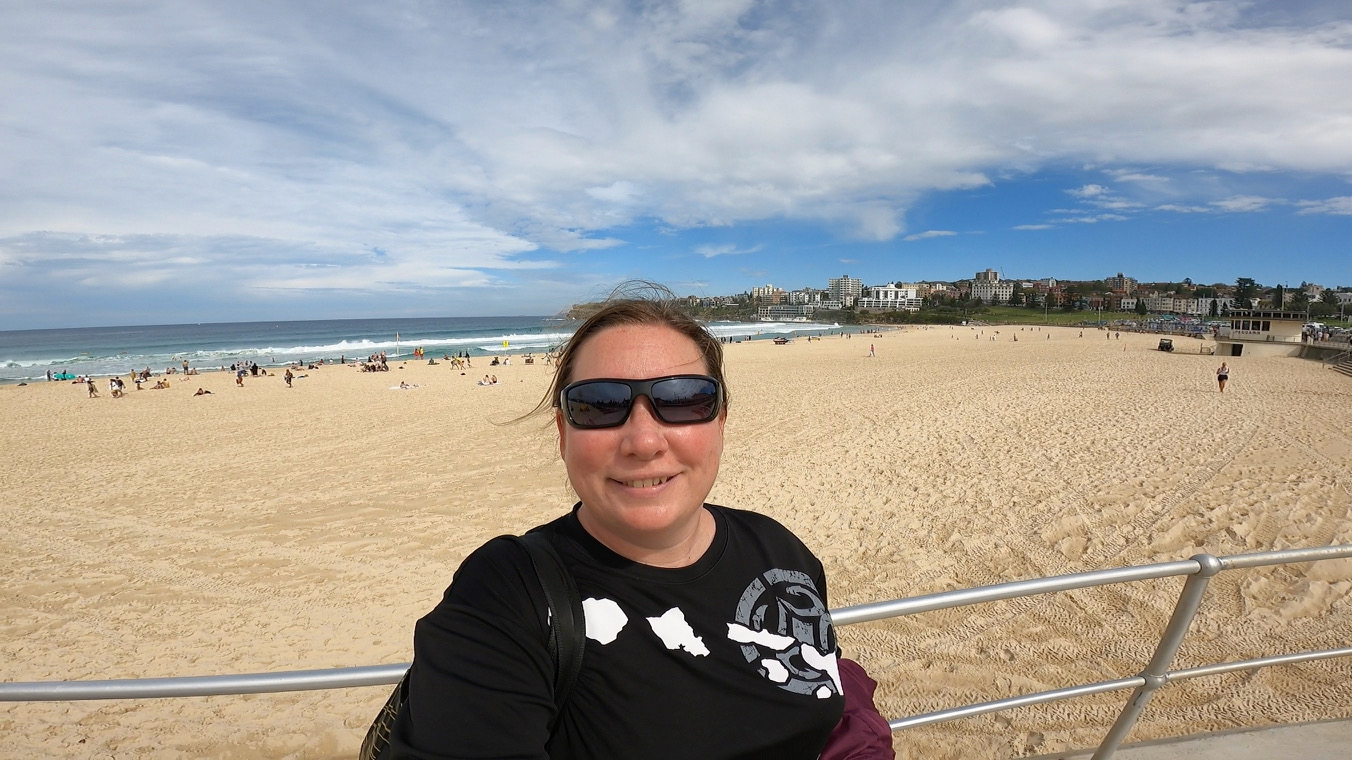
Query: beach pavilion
<point x="1261" y="332"/>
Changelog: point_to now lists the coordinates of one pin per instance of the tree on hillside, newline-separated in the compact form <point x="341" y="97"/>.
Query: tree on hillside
<point x="1321" y="309"/>
<point x="1140" y="307"/>
<point x="1329" y="298"/>
<point x="1246" y="289"/>
<point x="1278" y="297"/>
<point x="1298" y="300"/>
<point x="1215" y="308"/>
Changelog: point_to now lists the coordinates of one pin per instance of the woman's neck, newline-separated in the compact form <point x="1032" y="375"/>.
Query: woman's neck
<point x="681" y="548"/>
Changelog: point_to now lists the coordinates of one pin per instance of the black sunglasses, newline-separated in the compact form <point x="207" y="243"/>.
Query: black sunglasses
<point x="606" y="402"/>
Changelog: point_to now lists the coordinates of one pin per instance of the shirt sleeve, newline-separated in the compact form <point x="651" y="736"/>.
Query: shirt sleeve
<point x="481" y="684"/>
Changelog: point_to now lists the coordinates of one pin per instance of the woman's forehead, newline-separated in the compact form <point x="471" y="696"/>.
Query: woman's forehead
<point x="637" y="351"/>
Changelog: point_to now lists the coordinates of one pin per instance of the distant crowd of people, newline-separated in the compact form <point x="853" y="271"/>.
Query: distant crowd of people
<point x="376" y="362"/>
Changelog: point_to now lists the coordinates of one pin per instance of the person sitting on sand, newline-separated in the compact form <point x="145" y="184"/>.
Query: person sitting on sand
<point x="485" y="381"/>
<point x="494" y="381"/>
<point x="201" y="392"/>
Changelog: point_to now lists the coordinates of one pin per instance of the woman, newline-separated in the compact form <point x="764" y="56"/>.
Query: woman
<point x="1222" y="374"/>
<point x="708" y="634"/>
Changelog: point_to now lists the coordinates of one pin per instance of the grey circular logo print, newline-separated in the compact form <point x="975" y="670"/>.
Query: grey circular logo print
<point x="786" y="605"/>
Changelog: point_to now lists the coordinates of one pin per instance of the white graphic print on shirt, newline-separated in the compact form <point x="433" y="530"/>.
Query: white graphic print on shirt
<point x="604" y="619"/>
<point x="782" y="626"/>
<point x="675" y="633"/>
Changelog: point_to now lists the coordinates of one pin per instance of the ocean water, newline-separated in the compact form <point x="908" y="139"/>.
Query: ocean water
<point x="27" y="355"/>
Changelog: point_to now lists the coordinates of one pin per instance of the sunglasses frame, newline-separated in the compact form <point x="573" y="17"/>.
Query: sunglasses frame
<point x="639" y="388"/>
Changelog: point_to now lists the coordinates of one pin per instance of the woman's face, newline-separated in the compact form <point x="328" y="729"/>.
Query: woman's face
<point x="644" y="481"/>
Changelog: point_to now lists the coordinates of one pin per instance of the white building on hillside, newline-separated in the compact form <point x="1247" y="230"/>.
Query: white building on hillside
<point x="990" y="288"/>
<point x="1197" y="307"/>
<point x="782" y="312"/>
<point x="889" y="298"/>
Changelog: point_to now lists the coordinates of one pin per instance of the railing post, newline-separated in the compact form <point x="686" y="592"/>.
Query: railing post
<point x="1157" y="670"/>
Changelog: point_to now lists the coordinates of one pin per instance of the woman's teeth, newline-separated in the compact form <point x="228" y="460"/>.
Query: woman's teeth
<point x="649" y="483"/>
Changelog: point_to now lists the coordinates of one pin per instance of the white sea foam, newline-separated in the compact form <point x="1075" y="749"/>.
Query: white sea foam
<point x="24" y="362"/>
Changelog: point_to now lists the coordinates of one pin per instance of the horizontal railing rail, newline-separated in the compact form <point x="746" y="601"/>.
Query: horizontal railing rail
<point x="1338" y="357"/>
<point x="1198" y="570"/>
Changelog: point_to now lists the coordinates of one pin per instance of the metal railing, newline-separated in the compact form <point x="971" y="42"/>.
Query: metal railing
<point x="1336" y="358"/>
<point x="1156" y="674"/>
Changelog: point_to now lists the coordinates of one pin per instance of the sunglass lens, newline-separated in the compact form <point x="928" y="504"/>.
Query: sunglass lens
<point x="685" y="399"/>
<point x="598" y="404"/>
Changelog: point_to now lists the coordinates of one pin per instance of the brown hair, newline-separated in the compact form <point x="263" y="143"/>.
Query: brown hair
<point x="637" y="302"/>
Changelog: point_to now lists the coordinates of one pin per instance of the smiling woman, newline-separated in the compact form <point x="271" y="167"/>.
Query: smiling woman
<point x="707" y="628"/>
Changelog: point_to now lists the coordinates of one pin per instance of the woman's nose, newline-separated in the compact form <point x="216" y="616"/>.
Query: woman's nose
<point x="644" y="434"/>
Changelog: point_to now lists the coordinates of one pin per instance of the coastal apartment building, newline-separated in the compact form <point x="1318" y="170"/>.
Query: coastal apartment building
<point x="1121" y="284"/>
<point x="783" y="312"/>
<point x="845" y="289"/>
<point x="890" y="297"/>
<point x="990" y="288"/>
<point x="768" y="294"/>
<point x="1197" y="307"/>
<point x="941" y="289"/>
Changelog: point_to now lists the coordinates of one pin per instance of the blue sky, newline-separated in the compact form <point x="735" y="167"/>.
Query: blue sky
<point x="191" y="161"/>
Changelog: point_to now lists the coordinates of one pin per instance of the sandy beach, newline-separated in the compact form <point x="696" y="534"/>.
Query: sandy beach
<point x="268" y="528"/>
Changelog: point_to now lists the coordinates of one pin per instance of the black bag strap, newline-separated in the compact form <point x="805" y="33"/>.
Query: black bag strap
<point x="567" y="638"/>
<point x="567" y="628"/>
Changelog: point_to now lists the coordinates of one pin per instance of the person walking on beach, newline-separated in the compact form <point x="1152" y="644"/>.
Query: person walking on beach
<point x="288" y="376"/>
<point x="870" y="349"/>
<point x="1222" y="374"/>
<point x="93" y="389"/>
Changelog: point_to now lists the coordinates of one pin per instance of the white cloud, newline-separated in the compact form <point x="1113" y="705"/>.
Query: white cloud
<point x="1091" y="219"/>
<point x="1034" y="227"/>
<point x="726" y="249"/>
<point x="1128" y="175"/>
<point x="1243" y="203"/>
<point x="929" y="234"/>
<point x="1184" y="208"/>
<point x="1088" y="191"/>
<point x="1116" y="204"/>
<point x="1341" y="206"/>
